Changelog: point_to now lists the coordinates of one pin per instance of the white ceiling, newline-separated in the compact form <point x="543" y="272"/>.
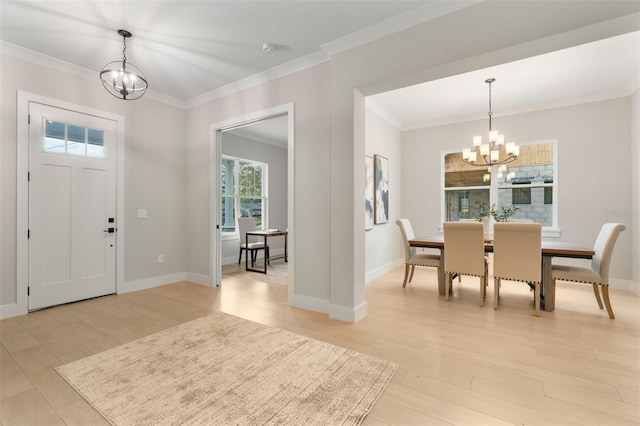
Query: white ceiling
<point x="191" y="50"/>
<point x="605" y="69"/>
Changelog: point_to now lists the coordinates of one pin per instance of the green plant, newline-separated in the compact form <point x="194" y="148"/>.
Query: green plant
<point x="483" y="210"/>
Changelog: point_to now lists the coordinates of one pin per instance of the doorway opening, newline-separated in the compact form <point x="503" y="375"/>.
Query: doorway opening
<point x="252" y="175"/>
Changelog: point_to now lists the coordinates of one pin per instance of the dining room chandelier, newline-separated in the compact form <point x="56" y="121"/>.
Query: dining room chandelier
<point x="121" y="78"/>
<point x="489" y="154"/>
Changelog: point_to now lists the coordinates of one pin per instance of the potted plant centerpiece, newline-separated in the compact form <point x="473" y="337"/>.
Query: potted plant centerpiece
<point x="484" y="213"/>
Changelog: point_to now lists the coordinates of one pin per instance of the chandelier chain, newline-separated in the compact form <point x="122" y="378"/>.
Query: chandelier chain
<point x="124" y="49"/>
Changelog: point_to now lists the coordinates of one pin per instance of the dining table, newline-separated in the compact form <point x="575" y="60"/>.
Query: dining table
<point x="265" y="235"/>
<point x="550" y="249"/>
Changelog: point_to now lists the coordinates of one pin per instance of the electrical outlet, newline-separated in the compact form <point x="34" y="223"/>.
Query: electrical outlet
<point x="161" y="258"/>
<point x="142" y="214"/>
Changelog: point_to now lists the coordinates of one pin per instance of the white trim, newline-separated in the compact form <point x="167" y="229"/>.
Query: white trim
<point x="11" y="310"/>
<point x="381" y="270"/>
<point x="216" y="260"/>
<point x="622" y="284"/>
<point x="259" y="78"/>
<point x="311" y="303"/>
<point x="69" y="68"/>
<point x="344" y="313"/>
<point x="201" y="279"/>
<point x="146" y="283"/>
<point x="409" y="19"/>
<point x="22" y="211"/>
<point x="420" y="15"/>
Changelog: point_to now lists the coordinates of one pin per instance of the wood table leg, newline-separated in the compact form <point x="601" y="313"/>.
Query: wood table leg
<point x="548" y="303"/>
<point x="441" y="274"/>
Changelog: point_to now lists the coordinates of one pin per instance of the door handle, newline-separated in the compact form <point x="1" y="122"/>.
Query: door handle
<point x="110" y="230"/>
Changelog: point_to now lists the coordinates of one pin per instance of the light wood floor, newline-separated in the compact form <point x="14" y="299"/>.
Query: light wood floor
<point x="460" y="364"/>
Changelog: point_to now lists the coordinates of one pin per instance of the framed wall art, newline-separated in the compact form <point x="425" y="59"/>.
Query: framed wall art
<point x="381" y="195"/>
<point x="368" y="192"/>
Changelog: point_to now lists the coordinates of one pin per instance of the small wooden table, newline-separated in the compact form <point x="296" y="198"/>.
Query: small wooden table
<point x="550" y="249"/>
<point x="266" y="234"/>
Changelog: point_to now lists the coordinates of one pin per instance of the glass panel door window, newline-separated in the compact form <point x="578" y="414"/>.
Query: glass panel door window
<point x="244" y="192"/>
<point x="69" y="139"/>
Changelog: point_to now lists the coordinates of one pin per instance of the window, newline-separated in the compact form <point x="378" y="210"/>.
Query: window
<point x="243" y="185"/>
<point x="65" y="138"/>
<point x="528" y="183"/>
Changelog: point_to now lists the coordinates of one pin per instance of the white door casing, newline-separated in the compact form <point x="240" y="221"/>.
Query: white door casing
<point x="72" y="254"/>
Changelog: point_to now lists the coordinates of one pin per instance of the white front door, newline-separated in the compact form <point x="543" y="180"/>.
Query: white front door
<point x="72" y="206"/>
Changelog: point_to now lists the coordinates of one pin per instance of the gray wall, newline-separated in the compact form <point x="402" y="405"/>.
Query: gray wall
<point x="276" y="158"/>
<point x="383" y="243"/>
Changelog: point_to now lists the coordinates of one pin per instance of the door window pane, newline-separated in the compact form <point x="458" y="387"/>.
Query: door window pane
<point x="75" y="140"/>
<point x="54" y="136"/>
<point x="65" y="138"/>
<point x="95" y="143"/>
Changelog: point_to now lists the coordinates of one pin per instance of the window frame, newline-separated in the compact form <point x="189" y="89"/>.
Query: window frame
<point x="552" y="231"/>
<point x="264" y="197"/>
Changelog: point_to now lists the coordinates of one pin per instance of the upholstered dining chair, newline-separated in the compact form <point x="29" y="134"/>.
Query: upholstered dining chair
<point x="598" y="274"/>
<point x="411" y="259"/>
<point x="251" y="247"/>
<point x="517" y="256"/>
<point x="464" y="254"/>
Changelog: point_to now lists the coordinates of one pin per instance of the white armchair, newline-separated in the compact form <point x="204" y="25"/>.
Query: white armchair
<point x="411" y="259"/>
<point x="598" y="273"/>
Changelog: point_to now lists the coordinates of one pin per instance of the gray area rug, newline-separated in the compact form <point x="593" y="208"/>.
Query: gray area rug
<point x="221" y="370"/>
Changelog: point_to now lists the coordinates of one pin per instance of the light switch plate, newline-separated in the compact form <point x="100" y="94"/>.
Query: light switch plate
<point x="142" y="214"/>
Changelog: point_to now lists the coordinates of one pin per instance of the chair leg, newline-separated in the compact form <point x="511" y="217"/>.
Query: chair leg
<point x="537" y="299"/>
<point x="240" y="256"/>
<point x="447" y="279"/>
<point x="413" y="268"/>
<point x="406" y="274"/>
<point x="607" y="302"/>
<point x="596" y="291"/>
<point x="483" y="288"/>
<point x="496" y="292"/>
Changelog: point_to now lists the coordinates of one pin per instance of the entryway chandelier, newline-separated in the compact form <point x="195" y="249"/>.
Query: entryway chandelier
<point x="488" y="154"/>
<point x="121" y="78"/>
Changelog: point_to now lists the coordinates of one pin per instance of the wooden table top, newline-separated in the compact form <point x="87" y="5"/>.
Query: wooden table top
<point x="549" y="248"/>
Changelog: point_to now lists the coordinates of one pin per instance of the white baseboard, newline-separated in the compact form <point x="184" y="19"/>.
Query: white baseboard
<point x="345" y="313"/>
<point x="620" y="284"/>
<point x="381" y="270"/>
<point x="11" y="310"/>
<point x="201" y="279"/>
<point x="145" y="283"/>
<point x="311" y="303"/>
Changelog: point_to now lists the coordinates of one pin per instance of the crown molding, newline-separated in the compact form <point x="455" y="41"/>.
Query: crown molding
<point x="69" y="68"/>
<point x="274" y="73"/>
<point x="557" y="103"/>
<point x="431" y="11"/>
